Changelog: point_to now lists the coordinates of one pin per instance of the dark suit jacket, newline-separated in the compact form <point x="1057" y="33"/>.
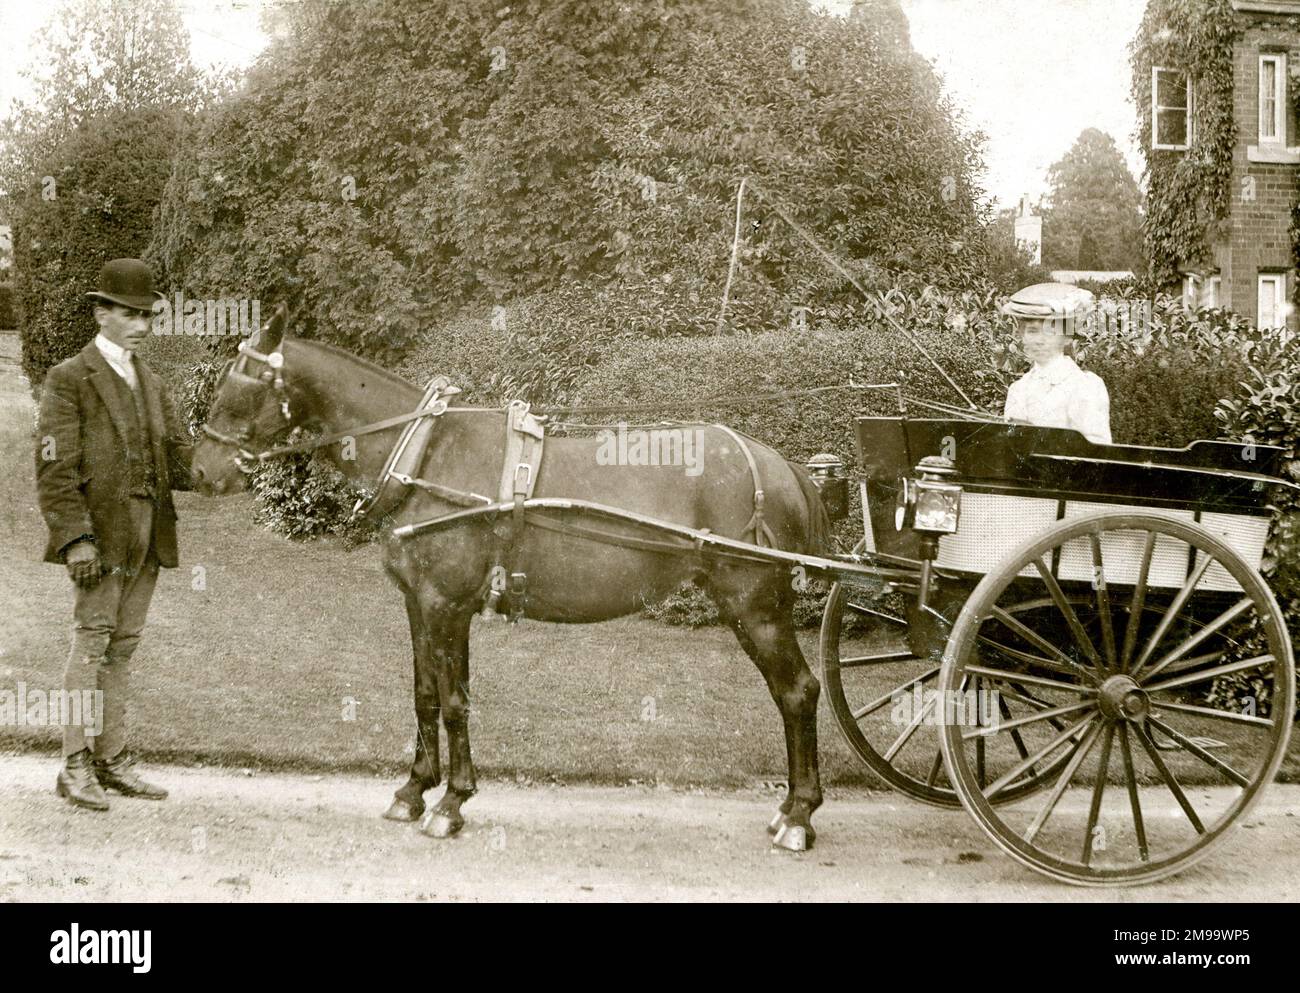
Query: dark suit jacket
<point x="83" y="489"/>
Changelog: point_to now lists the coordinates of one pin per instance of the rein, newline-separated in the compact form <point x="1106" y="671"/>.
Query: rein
<point x="275" y="362"/>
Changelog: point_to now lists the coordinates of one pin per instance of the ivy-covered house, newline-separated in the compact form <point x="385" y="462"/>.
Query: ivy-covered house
<point x="1216" y="84"/>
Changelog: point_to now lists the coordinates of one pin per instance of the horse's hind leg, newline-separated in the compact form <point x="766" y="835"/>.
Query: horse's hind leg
<point x="760" y="617"/>
<point x="451" y="664"/>
<point x="408" y="801"/>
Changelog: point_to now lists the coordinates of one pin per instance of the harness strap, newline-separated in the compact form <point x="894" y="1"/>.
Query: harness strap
<point x="525" y="437"/>
<point x="762" y="533"/>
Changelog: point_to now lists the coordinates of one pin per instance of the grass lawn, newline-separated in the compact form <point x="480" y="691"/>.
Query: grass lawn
<point x="260" y="666"/>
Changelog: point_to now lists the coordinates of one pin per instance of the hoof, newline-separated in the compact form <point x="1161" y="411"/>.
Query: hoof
<point x="440" y="825"/>
<point x="792" y="838"/>
<point x="776" y="823"/>
<point x="400" y="810"/>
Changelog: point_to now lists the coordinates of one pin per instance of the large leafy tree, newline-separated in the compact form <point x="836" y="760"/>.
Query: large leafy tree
<point x="1092" y="216"/>
<point x="85" y="158"/>
<point x="385" y="162"/>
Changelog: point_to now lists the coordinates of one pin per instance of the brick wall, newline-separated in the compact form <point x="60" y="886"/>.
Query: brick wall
<point x="1256" y="236"/>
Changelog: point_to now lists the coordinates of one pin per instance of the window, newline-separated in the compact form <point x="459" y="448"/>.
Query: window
<point x="1272" y="99"/>
<point x="1171" y="109"/>
<point x="1201" y="290"/>
<point x="1272" y="300"/>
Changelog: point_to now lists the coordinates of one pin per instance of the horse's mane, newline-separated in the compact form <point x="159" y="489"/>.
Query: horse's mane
<point x="366" y="364"/>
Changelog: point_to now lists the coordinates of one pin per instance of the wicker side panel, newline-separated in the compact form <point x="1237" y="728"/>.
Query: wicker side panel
<point x="1121" y="551"/>
<point x="991" y="526"/>
<point x="1246" y="534"/>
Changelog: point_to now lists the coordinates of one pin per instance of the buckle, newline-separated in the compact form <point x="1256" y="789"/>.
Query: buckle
<point x="527" y="469"/>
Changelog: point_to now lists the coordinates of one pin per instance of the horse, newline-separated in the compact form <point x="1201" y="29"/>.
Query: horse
<point x="281" y="382"/>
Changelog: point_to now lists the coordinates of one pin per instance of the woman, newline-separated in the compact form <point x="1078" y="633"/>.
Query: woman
<point x="1056" y="393"/>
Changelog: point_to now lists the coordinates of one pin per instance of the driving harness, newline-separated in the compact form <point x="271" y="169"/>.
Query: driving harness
<point x="524" y="442"/>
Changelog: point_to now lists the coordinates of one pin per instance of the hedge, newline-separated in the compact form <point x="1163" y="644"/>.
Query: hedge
<point x="8" y="311"/>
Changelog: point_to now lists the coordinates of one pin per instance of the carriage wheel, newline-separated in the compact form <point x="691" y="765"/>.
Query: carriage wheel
<point x="878" y="697"/>
<point x="1131" y="696"/>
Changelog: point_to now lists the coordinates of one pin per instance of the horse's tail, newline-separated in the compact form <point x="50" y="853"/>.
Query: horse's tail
<point x="819" y="522"/>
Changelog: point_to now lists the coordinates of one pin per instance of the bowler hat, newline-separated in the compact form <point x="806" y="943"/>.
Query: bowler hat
<point x="127" y="282"/>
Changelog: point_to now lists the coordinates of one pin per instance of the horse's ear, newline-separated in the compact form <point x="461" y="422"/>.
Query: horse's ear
<point x="272" y="332"/>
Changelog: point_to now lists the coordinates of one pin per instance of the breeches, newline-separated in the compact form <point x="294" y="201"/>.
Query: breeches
<point x="108" y="621"/>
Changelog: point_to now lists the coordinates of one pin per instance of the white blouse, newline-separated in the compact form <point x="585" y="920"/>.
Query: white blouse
<point x="1058" y="394"/>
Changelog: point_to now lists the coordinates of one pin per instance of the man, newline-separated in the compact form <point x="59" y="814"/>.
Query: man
<point x="109" y="452"/>
<point x="1056" y="393"/>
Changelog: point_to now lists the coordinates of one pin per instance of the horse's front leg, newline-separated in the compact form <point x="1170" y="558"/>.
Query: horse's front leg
<point x="451" y="664"/>
<point x="408" y="801"/>
<point x="426" y="772"/>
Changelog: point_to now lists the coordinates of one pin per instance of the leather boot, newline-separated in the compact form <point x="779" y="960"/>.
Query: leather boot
<point x="77" y="783"/>
<point x="117" y="774"/>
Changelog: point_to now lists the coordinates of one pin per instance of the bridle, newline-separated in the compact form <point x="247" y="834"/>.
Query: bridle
<point x="273" y="374"/>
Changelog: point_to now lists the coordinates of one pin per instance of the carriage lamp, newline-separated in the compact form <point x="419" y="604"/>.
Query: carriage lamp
<point x="832" y="483"/>
<point x="929" y="504"/>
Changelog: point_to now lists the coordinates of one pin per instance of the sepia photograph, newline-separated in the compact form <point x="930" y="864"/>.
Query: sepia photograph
<point x="661" y="451"/>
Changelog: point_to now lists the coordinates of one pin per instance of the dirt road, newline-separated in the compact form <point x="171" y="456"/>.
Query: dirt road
<point x="227" y="836"/>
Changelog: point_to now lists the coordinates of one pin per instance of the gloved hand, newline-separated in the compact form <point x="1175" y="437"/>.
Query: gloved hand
<point x="83" y="564"/>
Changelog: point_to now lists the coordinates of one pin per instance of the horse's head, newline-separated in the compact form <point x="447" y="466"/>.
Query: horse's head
<point x="250" y="410"/>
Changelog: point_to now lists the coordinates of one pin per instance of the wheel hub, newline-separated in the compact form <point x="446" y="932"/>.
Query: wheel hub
<point x="1122" y="699"/>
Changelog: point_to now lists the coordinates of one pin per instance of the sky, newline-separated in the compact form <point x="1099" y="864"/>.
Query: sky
<point x="1031" y="74"/>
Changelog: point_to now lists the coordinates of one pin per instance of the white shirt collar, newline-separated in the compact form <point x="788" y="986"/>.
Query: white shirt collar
<point x="118" y="359"/>
<point x="112" y="351"/>
<point x="1055" y="369"/>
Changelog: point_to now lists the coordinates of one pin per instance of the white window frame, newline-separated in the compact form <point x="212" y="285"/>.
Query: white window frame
<point x="1157" y="110"/>
<point x="1213" y="292"/>
<point x="1276" y="120"/>
<point x="1277" y="282"/>
<point x="1191" y="291"/>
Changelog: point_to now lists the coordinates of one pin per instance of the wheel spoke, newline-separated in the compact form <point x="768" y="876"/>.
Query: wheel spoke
<point x="1201" y="753"/>
<point x="1033" y="637"/>
<point x="933" y="778"/>
<point x="866" y="611"/>
<point x="1186" y="665"/>
<point x="1229" y="615"/>
<point x="1027" y="658"/>
<point x="1071" y="618"/>
<point x="1139" y="602"/>
<point x="1219" y="715"/>
<point x="1168" y="777"/>
<point x="1103" y="602"/>
<point x="1098" y="788"/>
<point x="1020" y="677"/>
<point x="880" y="701"/>
<point x="1170" y="615"/>
<point x="1081" y="749"/>
<point x="1038" y="756"/>
<point x="1135" y="804"/>
<point x="1005" y="711"/>
<point x="910" y="730"/>
<point x="984" y="732"/>
<point x="854" y="661"/>
<point x="1202" y="675"/>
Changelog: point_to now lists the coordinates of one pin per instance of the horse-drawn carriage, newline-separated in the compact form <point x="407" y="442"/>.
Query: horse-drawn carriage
<point x="1069" y="610"/>
<point x="1080" y="620"/>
